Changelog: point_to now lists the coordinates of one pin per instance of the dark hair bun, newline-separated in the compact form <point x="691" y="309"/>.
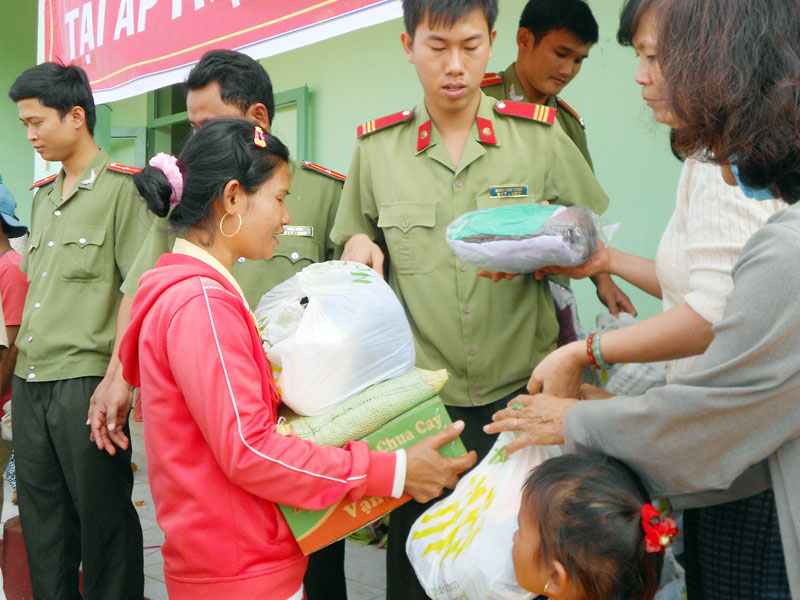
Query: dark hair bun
<point x="155" y="189"/>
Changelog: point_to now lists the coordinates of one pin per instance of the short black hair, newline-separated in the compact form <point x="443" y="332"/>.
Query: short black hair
<point x="543" y="16"/>
<point x="445" y="12"/>
<point x="217" y="153"/>
<point x="57" y="86"/>
<point x="588" y="508"/>
<point x="632" y="11"/>
<point x="242" y="80"/>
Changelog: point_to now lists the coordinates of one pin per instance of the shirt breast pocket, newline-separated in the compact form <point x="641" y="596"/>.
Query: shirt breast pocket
<point x="410" y="232"/>
<point x="83" y="258"/>
<point x="299" y="249"/>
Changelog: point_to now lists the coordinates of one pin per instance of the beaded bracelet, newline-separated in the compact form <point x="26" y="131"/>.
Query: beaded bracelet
<point x="589" y="352"/>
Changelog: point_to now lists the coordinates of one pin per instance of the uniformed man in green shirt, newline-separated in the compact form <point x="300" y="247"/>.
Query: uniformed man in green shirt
<point x="87" y="223"/>
<point x="413" y="173"/>
<point x="553" y="40"/>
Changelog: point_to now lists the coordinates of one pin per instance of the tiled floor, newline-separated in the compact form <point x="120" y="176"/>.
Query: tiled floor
<point x="364" y="566"/>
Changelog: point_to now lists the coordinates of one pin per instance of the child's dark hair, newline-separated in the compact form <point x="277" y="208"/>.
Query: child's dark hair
<point x="242" y="80"/>
<point x="588" y="508"/>
<point x="541" y="17"/>
<point x="219" y="152"/>
<point x="58" y="87"/>
<point x="445" y="12"/>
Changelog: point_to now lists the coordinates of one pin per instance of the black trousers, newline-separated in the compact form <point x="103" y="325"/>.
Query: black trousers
<point x="324" y="578"/>
<point x="74" y="500"/>
<point x="401" y="581"/>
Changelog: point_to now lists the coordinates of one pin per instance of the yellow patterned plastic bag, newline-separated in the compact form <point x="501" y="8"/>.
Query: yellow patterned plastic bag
<point x="460" y="547"/>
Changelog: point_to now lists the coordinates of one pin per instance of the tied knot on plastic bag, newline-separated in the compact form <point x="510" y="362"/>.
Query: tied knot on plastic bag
<point x="523" y="238"/>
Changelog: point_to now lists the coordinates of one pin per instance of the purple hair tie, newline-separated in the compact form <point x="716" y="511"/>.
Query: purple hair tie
<point x="168" y="164"/>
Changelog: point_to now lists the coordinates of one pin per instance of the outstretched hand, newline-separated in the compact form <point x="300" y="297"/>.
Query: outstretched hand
<point x="598" y="262"/>
<point x="539" y="419"/>
<point x="361" y="249"/>
<point x="428" y="473"/>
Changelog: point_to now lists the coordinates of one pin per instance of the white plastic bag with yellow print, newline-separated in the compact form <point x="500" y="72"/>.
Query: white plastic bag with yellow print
<point x="461" y="546"/>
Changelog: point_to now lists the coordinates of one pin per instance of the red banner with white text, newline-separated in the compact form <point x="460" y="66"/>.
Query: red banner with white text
<point x="128" y="47"/>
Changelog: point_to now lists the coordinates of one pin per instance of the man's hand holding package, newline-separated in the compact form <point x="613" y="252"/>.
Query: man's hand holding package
<point x="361" y="249"/>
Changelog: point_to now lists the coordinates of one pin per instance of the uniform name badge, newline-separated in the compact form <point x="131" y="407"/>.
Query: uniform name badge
<point x="508" y="191"/>
<point x="298" y="230"/>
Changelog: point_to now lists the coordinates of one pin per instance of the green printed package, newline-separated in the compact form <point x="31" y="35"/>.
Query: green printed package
<point x="315" y="529"/>
<point x="365" y="412"/>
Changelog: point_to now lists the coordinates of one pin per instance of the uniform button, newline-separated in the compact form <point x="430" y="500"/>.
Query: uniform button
<point x="479" y="400"/>
<point x="57" y="213"/>
<point x="477" y="387"/>
<point x="37" y="305"/>
<point x="31" y="368"/>
<point x="405" y="224"/>
<point x="82" y="241"/>
<point x="501" y="105"/>
<point x="459" y="183"/>
<point x="295" y="255"/>
<point x="31" y="375"/>
<point x="51" y="243"/>
<point x="406" y="113"/>
<point x="44" y="274"/>
<point x="470" y="350"/>
<point x="466" y="310"/>
<point x="30" y="338"/>
<point x="240" y="259"/>
<point x="462" y="267"/>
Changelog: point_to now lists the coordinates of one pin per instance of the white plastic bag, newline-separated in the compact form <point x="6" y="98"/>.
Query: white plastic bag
<point x="460" y="547"/>
<point x="5" y="428"/>
<point x="332" y="330"/>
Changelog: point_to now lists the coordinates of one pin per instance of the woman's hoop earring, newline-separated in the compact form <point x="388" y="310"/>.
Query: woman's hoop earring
<point x="230" y="235"/>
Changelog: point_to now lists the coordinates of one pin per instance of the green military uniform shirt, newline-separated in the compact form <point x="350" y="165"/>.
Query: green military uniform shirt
<point x="312" y="202"/>
<point x="403" y="190"/>
<point x="80" y="249"/>
<point x="510" y="88"/>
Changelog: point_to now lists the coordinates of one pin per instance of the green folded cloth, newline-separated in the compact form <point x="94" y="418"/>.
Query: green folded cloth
<point x="366" y="412"/>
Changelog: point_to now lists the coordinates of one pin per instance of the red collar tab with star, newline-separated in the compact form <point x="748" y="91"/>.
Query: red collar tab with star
<point x="491" y="79"/>
<point x="124" y="169"/>
<point x="561" y="104"/>
<point x="534" y="112"/>
<point x="424" y="136"/>
<point x="383" y="123"/>
<point x="44" y="181"/>
<point x="324" y="171"/>
<point x="486" y="131"/>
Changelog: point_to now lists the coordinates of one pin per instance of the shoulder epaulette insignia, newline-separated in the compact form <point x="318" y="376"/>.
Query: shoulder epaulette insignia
<point x="383" y="122"/>
<point x="124" y="169"/>
<point x="561" y="104"/>
<point x="424" y="136"/>
<point x="491" y="79"/>
<point x="534" y="112"/>
<point x="330" y="173"/>
<point x="44" y="181"/>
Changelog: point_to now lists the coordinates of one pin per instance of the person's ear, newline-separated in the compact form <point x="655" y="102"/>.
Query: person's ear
<point x="408" y="44"/>
<point x="233" y="197"/>
<point x="492" y="37"/>
<point x="559" y="581"/>
<point x="77" y="117"/>
<point x="258" y="113"/>
<point x="524" y="39"/>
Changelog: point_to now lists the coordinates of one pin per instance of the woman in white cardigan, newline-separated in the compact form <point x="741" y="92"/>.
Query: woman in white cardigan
<point x="692" y="270"/>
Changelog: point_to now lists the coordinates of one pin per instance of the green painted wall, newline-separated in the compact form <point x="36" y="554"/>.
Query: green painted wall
<point x="17" y="53"/>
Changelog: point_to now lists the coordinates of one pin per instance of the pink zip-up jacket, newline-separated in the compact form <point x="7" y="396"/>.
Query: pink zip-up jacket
<point x="215" y="463"/>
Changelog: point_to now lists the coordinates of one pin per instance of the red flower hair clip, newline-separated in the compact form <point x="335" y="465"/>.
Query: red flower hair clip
<point x="658" y="532"/>
<point x="259" y="139"/>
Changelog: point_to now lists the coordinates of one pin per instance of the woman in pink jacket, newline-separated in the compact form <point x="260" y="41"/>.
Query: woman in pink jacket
<point x="217" y="467"/>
